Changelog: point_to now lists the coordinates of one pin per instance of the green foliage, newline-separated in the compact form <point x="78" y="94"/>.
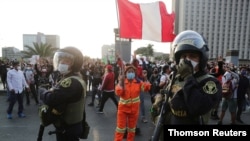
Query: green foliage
<point x="43" y="50"/>
<point x="146" y="51"/>
<point x="164" y="57"/>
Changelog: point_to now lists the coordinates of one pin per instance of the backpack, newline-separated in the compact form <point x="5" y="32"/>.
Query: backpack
<point x="227" y="89"/>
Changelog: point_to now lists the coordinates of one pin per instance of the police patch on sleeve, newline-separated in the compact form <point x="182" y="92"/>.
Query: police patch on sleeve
<point x="210" y="87"/>
<point x="66" y="83"/>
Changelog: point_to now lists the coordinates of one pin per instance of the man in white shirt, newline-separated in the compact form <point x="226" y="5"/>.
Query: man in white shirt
<point x="16" y="82"/>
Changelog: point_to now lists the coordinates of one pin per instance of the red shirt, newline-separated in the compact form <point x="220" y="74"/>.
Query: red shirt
<point x="108" y="82"/>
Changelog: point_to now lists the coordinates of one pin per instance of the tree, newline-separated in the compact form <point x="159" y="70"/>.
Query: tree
<point x="163" y="57"/>
<point x="43" y="50"/>
<point x="146" y="51"/>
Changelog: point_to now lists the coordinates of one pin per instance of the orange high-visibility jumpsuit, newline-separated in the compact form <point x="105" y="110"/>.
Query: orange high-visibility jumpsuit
<point x="128" y="108"/>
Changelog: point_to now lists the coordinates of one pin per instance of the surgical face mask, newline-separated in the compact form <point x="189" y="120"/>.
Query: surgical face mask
<point x="19" y="68"/>
<point x="194" y="64"/>
<point x="130" y="75"/>
<point x="28" y="68"/>
<point x="63" y="68"/>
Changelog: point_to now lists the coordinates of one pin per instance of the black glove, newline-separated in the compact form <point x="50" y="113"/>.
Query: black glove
<point x="184" y="68"/>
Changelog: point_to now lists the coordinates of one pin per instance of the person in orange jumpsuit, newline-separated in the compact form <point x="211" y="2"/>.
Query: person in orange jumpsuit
<point x="128" y="88"/>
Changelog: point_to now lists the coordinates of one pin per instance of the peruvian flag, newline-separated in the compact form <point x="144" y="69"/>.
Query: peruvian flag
<point x="148" y="21"/>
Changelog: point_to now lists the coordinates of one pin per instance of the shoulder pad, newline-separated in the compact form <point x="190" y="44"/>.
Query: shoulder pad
<point x="199" y="79"/>
<point x="65" y="83"/>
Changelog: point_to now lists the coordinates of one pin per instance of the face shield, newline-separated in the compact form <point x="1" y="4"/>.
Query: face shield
<point x="62" y="58"/>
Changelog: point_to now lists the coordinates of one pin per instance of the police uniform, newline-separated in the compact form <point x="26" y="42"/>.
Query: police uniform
<point x="192" y="93"/>
<point x="67" y="98"/>
<point x="192" y="98"/>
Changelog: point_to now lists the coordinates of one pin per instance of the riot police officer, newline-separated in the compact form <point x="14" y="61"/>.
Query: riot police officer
<point x="67" y="98"/>
<point x="192" y="92"/>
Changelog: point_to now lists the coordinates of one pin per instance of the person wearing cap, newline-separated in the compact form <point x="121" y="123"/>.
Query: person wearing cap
<point x="108" y="88"/>
<point x="128" y="89"/>
<point x="16" y="82"/>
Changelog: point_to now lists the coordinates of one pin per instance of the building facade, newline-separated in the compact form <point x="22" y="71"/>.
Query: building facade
<point x="28" y="39"/>
<point x="225" y="24"/>
<point x="53" y="40"/>
<point x="11" y="53"/>
<point x="122" y="47"/>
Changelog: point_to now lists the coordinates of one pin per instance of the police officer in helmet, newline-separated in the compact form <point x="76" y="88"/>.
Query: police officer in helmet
<point x="67" y="98"/>
<point x="192" y="92"/>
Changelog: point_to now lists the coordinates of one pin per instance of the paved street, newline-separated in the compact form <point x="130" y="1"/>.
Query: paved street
<point x="102" y="125"/>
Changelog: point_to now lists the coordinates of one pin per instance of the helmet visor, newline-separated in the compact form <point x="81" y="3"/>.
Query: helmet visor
<point x="62" y="58"/>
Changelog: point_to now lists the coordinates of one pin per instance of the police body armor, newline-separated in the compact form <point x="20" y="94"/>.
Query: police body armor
<point x="179" y="110"/>
<point x="51" y="115"/>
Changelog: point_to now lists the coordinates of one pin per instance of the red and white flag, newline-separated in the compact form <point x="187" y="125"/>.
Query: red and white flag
<point x="148" y="21"/>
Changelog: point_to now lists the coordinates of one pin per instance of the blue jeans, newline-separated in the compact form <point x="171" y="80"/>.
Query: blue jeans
<point x="12" y="100"/>
<point x="142" y="106"/>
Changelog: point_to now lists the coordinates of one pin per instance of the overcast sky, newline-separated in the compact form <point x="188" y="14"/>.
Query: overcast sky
<point x="86" y="24"/>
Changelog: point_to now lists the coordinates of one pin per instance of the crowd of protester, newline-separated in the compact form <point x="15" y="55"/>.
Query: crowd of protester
<point x="97" y="76"/>
<point x="42" y="73"/>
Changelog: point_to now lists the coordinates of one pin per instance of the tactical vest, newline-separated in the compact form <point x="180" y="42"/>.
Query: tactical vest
<point x="179" y="85"/>
<point x="199" y="79"/>
<point x="72" y="114"/>
<point x="206" y="116"/>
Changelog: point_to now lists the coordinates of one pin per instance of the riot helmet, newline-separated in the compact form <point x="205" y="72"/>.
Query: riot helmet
<point x="190" y="41"/>
<point x="68" y="59"/>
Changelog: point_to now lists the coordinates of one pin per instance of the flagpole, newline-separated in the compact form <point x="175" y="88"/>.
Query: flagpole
<point x="118" y="21"/>
<point x="117" y="15"/>
<point x="116" y="5"/>
<point x="118" y="30"/>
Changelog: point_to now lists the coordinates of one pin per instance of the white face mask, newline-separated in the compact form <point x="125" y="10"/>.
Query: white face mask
<point x="19" y="68"/>
<point x="63" y="68"/>
<point x="194" y="64"/>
